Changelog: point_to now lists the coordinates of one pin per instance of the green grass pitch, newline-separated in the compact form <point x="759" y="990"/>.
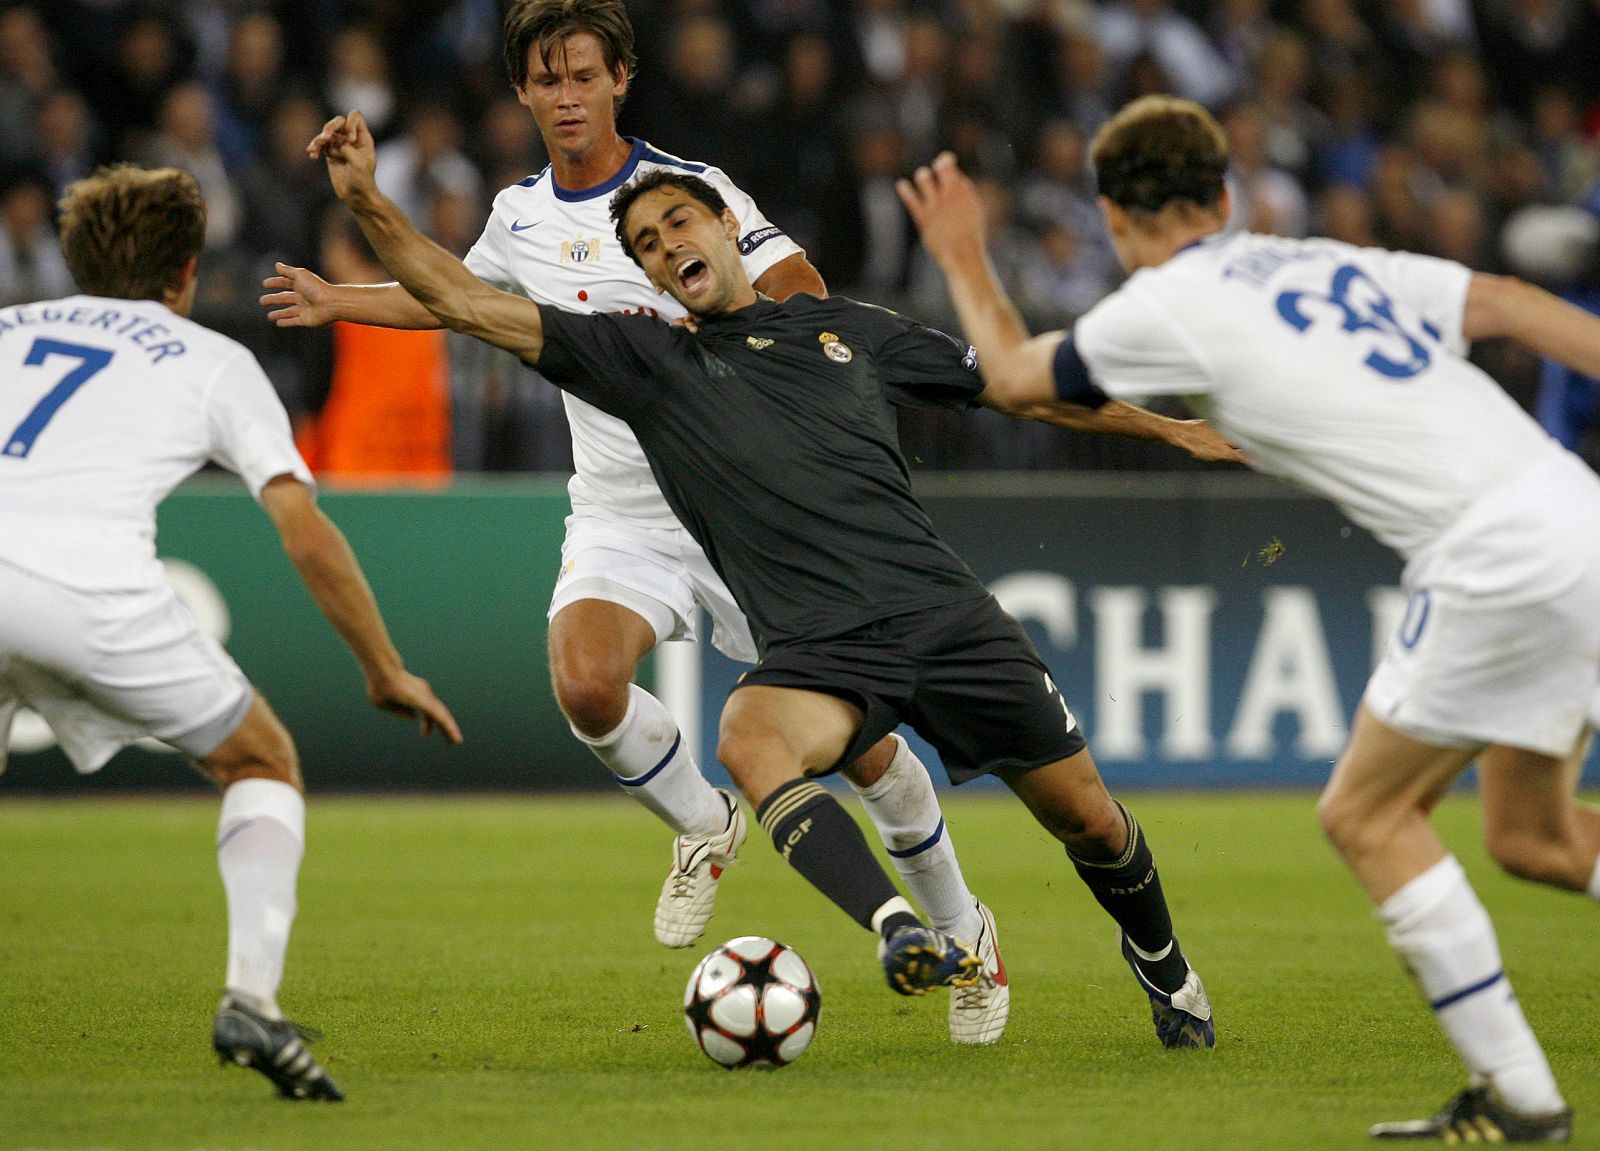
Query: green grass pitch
<point x="485" y="974"/>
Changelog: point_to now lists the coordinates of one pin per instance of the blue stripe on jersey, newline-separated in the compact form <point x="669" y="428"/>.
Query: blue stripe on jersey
<point x="1072" y="378"/>
<point x="622" y="177"/>
<point x="533" y="179"/>
<point x="670" y="161"/>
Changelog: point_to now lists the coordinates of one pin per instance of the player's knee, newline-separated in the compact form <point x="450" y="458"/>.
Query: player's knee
<point x="595" y="701"/>
<point x="1337" y="818"/>
<point x="1528" y="856"/>
<point x="1095" y="828"/>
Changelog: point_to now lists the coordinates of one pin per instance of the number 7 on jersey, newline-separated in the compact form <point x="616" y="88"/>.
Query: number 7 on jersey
<point x="90" y="360"/>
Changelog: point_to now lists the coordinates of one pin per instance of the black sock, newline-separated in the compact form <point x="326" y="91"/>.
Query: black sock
<point x="822" y="843"/>
<point x="1130" y="891"/>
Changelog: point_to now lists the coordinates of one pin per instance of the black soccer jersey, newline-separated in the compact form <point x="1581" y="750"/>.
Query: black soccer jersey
<point x="771" y="438"/>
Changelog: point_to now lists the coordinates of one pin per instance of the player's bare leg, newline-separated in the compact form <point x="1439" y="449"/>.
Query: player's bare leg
<point x="772" y="739"/>
<point x="1533" y="824"/>
<point x="595" y="650"/>
<point x="1109" y="851"/>
<point x="260" y="840"/>
<point x="1375" y="811"/>
<point x="897" y="792"/>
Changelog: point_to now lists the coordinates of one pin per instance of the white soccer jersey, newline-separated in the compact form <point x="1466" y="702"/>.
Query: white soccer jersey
<point x="106" y="406"/>
<point x="1341" y="369"/>
<point x="560" y="248"/>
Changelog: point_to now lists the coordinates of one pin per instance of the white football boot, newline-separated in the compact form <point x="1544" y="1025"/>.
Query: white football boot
<point x="690" y="893"/>
<point x="978" y="1013"/>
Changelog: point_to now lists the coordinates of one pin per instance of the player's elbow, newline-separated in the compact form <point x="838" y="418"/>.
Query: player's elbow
<point x="1009" y="387"/>
<point x="1495" y="305"/>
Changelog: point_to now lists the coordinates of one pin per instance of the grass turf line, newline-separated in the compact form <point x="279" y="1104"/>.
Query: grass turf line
<point x="485" y="974"/>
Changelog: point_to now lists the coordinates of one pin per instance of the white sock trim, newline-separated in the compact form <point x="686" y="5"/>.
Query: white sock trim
<point x="262" y="799"/>
<point x="1423" y="893"/>
<point x="889" y="778"/>
<point x="1151" y="956"/>
<point x="616" y="733"/>
<point x="1594" y="881"/>
<point x="892" y="907"/>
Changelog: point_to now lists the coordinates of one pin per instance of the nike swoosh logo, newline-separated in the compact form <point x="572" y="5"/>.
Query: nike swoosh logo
<point x="519" y="226"/>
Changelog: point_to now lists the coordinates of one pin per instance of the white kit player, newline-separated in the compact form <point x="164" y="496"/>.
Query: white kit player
<point x="112" y="398"/>
<point x="1342" y="370"/>
<point x="631" y="576"/>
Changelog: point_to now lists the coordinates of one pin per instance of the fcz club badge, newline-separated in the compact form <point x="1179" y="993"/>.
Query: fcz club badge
<point x="581" y="250"/>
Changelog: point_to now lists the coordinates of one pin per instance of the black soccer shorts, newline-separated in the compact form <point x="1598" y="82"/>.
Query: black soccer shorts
<point x="964" y="675"/>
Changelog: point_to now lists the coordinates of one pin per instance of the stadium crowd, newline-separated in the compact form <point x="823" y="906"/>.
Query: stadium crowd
<point x="1420" y="124"/>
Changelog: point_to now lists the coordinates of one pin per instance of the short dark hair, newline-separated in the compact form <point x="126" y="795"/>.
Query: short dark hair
<point x="547" y="24"/>
<point x="1160" y="150"/>
<point x="661" y="178"/>
<point x="127" y="231"/>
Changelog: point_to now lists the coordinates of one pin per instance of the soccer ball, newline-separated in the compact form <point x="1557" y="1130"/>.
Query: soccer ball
<point x="752" y="1003"/>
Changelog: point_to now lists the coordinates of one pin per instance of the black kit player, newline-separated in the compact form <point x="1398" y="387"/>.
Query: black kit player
<point x="768" y="431"/>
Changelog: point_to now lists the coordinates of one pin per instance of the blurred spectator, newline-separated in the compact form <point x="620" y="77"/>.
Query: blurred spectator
<point x="426" y="158"/>
<point x="865" y="248"/>
<point x="1455" y="227"/>
<point x="1265" y="197"/>
<point x="1396" y="193"/>
<point x="1530" y="44"/>
<point x="1345" y="213"/>
<point x="1131" y="28"/>
<point x="1347" y="151"/>
<point x="693" y="106"/>
<point x="358" y="78"/>
<point x="1294" y="127"/>
<point x="1065" y="280"/>
<point x="387" y="414"/>
<point x="1569" y="162"/>
<point x="27" y="72"/>
<point x="152" y="57"/>
<point x="506" y="147"/>
<point x="1082" y="96"/>
<point x="31" y="265"/>
<point x="65" y="135"/>
<point x="807" y="117"/>
<point x="1059" y="192"/>
<point x="285" y="194"/>
<point x="187" y="139"/>
<point x="250" y="88"/>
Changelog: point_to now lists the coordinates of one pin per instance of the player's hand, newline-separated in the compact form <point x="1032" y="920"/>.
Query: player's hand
<point x="944" y="205"/>
<point x="409" y="695"/>
<point x="299" y="298"/>
<point x="1203" y="442"/>
<point x="346" y="143"/>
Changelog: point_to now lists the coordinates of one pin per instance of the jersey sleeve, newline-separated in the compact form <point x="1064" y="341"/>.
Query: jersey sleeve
<point x="923" y="367"/>
<point x="761" y="242"/>
<point x="489" y="259"/>
<point x="249" y="429"/>
<point x="1435" y="288"/>
<point x="604" y="359"/>
<point x="1128" y="350"/>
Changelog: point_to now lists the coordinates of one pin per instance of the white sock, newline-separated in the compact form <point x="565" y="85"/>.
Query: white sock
<point x="1594" y="881"/>
<point x="905" y="810"/>
<point x="260" y="839"/>
<point x="1443" y="933"/>
<point x="647" y="756"/>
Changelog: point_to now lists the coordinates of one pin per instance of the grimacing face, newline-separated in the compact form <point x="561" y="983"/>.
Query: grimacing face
<point x="574" y="100"/>
<point x="689" y="251"/>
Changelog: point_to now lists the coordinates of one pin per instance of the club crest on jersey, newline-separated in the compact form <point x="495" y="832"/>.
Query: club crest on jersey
<point x="837" y="352"/>
<point x="759" y="343"/>
<point x="582" y="250"/>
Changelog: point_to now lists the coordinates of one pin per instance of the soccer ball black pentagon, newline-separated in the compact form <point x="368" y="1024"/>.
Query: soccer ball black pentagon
<point x="752" y="1003"/>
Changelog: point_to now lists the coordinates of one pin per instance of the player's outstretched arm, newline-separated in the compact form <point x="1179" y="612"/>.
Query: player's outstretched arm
<point x="1545" y="324"/>
<point x="433" y="276"/>
<point x="322" y="556"/>
<point x="299" y="298"/>
<point x="1019" y="371"/>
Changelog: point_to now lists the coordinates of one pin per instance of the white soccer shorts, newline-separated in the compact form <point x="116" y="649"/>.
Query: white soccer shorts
<point x="660" y="574"/>
<point x="1500" y="642"/>
<point x="107" y="668"/>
